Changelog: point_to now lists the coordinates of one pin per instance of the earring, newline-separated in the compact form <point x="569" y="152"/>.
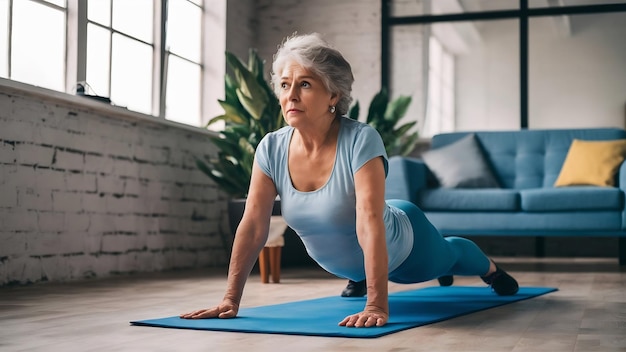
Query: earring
<point x="332" y="109"/>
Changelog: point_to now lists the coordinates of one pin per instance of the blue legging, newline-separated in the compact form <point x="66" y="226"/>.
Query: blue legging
<point x="433" y="255"/>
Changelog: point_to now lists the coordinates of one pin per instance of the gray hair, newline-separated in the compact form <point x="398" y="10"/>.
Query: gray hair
<point x="317" y="56"/>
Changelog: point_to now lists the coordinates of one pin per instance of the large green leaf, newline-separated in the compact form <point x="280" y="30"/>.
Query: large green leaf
<point x="397" y="109"/>
<point x="249" y="84"/>
<point x="253" y="106"/>
<point x="404" y="129"/>
<point x="230" y="185"/>
<point x="408" y="144"/>
<point x="377" y="108"/>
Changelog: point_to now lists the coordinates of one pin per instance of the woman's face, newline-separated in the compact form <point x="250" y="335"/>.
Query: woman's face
<point x="303" y="96"/>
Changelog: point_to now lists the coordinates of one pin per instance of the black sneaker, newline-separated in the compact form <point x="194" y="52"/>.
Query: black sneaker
<point x="355" y="289"/>
<point x="446" y="280"/>
<point x="501" y="283"/>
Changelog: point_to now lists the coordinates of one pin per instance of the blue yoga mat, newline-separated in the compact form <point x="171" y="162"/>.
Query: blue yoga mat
<point x="319" y="317"/>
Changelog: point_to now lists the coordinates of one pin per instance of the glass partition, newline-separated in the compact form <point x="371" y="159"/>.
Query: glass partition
<point x="561" y="3"/>
<point x="440" y="7"/>
<point x="577" y="75"/>
<point x="460" y="75"/>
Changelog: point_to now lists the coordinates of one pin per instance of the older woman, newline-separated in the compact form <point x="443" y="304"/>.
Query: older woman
<point x="330" y="172"/>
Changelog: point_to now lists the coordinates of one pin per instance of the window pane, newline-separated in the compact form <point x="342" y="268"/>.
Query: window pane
<point x="407" y="69"/>
<point x="183" y="91"/>
<point x="448" y="70"/>
<point x="435" y="7"/>
<point x="98" y="48"/>
<point x="134" y="18"/>
<point x="546" y="3"/>
<point x="184" y="29"/>
<point x="4" y="39"/>
<point x="60" y="3"/>
<point x="99" y="11"/>
<point x="38" y="45"/>
<point x="447" y="94"/>
<point x="487" y="78"/>
<point x="440" y="107"/>
<point x="435" y="53"/>
<point x="131" y="74"/>
<point x="484" y="65"/>
<point x="577" y="75"/>
<point x="447" y="110"/>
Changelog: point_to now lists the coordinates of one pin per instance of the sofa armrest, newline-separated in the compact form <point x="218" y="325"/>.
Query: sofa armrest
<point x="621" y="183"/>
<point x="621" y="176"/>
<point x="405" y="177"/>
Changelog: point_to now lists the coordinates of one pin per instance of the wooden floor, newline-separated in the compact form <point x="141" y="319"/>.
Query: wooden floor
<point x="588" y="313"/>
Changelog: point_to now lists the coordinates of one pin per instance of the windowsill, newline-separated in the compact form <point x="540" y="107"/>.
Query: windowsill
<point x="18" y="88"/>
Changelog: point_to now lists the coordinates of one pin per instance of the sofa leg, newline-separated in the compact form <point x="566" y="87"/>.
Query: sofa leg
<point x="540" y="248"/>
<point x="622" y="250"/>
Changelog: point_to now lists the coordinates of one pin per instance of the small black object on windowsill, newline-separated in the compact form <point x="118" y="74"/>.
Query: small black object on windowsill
<point x="80" y="90"/>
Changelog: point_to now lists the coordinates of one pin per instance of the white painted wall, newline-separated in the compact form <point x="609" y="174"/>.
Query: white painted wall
<point x="241" y="27"/>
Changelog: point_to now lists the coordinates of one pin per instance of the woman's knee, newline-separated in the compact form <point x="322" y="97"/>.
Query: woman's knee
<point x="471" y="258"/>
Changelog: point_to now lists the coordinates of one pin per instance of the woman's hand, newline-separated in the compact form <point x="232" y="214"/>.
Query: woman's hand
<point x="367" y="318"/>
<point x="226" y="309"/>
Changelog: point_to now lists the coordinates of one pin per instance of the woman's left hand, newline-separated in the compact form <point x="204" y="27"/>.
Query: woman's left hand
<point x="367" y="318"/>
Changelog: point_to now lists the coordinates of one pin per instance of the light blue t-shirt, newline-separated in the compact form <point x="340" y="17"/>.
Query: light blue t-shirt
<point x="325" y="219"/>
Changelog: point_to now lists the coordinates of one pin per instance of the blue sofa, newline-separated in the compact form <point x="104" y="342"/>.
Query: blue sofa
<point x="526" y="164"/>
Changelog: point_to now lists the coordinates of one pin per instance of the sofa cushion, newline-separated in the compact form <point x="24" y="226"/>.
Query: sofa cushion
<point x="469" y="199"/>
<point x="563" y="223"/>
<point x="460" y="165"/>
<point x="592" y="163"/>
<point x="572" y="198"/>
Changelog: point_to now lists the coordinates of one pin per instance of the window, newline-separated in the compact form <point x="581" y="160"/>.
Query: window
<point x="440" y="102"/>
<point x="120" y="47"/>
<point x="35" y="57"/>
<point x="526" y="63"/>
<point x="424" y="66"/>
<point x="145" y="55"/>
<point x="183" y="67"/>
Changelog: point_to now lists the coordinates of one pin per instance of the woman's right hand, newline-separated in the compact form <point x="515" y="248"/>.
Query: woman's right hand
<point x="226" y="309"/>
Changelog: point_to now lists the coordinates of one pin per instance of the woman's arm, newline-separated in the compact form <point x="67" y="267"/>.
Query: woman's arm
<point x="250" y="238"/>
<point x="251" y="233"/>
<point x="370" y="201"/>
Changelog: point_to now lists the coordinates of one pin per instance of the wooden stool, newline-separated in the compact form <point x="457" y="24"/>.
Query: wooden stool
<point x="269" y="258"/>
<point x="269" y="263"/>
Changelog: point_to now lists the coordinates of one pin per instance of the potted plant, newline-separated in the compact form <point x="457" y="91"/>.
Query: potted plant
<point x="251" y="110"/>
<point x="384" y="115"/>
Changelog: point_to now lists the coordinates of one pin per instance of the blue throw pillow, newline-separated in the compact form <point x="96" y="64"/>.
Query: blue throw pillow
<point x="460" y="165"/>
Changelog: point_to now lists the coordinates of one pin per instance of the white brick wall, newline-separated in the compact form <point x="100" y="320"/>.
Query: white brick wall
<point x="85" y="194"/>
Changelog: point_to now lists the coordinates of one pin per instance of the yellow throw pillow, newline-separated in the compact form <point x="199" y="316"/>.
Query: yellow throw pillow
<point x="592" y="163"/>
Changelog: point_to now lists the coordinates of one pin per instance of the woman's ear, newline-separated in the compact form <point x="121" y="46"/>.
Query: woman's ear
<point x="334" y="99"/>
